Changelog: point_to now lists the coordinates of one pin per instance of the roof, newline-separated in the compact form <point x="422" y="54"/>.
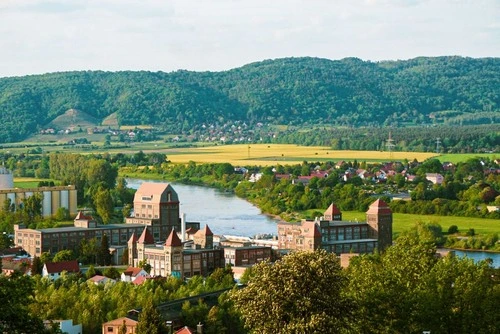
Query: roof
<point x="379" y="207"/>
<point x="173" y="240"/>
<point x="332" y="210"/>
<point x="139" y="280"/>
<point x="146" y="237"/>
<point x="132" y="271"/>
<point x="81" y="216"/>
<point x="185" y="330"/>
<point x="57" y="267"/>
<point x="119" y="321"/>
<point x="133" y="238"/>
<point x="205" y="231"/>
<point x="155" y="192"/>
<point x="100" y="279"/>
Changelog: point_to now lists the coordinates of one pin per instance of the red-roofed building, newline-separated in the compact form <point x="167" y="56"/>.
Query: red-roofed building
<point x="53" y="270"/>
<point x="132" y="273"/>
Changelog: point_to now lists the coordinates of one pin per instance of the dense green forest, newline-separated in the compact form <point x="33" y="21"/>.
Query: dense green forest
<point x="291" y="91"/>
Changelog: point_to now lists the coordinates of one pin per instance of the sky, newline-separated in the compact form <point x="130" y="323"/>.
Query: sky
<point x="41" y="36"/>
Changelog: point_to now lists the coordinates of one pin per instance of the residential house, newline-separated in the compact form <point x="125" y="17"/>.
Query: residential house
<point x="114" y="326"/>
<point x="98" y="279"/>
<point x="133" y="273"/>
<point x="54" y="270"/>
<point x="435" y="178"/>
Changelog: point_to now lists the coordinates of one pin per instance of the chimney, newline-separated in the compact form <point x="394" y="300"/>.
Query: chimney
<point x="183" y="227"/>
<point x="199" y="328"/>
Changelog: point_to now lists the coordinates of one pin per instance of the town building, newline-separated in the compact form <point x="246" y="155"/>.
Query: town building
<point x="114" y="326"/>
<point x="336" y="236"/>
<point x="156" y="206"/>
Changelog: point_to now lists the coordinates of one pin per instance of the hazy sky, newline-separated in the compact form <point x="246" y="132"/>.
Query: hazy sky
<point x="39" y="36"/>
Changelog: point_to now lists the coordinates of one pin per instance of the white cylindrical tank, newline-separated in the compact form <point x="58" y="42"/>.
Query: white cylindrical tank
<point x="64" y="199"/>
<point x="47" y="204"/>
<point x="6" y="178"/>
<point x="183" y="227"/>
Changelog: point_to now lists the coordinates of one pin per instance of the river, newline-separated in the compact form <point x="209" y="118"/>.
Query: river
<point x="228" y="214"/>
<point x="225" y="213"/>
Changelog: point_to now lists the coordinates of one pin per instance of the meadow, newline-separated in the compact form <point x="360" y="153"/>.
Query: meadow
<point x="403" y="222"/>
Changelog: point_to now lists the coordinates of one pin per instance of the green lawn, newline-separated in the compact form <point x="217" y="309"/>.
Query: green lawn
<point x="402" y="222"/>
<point x="461" y="157"/>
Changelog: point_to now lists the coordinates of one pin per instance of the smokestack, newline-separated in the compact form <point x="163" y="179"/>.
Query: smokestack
<point x="199" y="328"/>
<point x="183" y="227"/>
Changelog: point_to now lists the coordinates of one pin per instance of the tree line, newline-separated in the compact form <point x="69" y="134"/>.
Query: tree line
<point x="292" y="91"/>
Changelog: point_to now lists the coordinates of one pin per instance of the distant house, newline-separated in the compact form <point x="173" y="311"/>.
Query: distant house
<point x="132" y="273"/>
<point x="53" y="270"/>
<point x="98" y="279"/>
<point x="11" y="264"/>
<point x="435" y="178"/>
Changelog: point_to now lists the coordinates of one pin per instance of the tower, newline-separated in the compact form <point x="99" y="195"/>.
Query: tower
<point x="379" y="218"/>
<point x="173" y="255"/>
<point x="332" y="213"/>
<point x="146" y="238"/>
<point x="132" y="249"/>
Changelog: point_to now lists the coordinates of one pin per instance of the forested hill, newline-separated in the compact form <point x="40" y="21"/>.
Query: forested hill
<point x="452" y="90"/>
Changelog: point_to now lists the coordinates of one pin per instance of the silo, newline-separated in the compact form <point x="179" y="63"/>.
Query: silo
<point x="6" y="178"/>
<point x="64" y="199"/>
<point x="47" y="204"/>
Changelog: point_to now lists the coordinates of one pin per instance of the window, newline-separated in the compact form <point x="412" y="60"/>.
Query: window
<point x="110" y="329"/>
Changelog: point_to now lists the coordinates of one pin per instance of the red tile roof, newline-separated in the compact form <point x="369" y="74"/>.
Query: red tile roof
<point x="146" y="237"/>
<point x="57" y="267"/>
<point x="185" y="330"/>
<point x="379" y="207"/>
<point x="173" y="240"/>
<point x="132" y="271"/>
<point x="206" y="231"/>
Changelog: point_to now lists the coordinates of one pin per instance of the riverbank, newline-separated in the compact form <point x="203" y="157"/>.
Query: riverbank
<point x="402" y="222"/>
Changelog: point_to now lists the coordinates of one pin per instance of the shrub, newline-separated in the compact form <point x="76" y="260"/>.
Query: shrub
<point x="453" y="229"/>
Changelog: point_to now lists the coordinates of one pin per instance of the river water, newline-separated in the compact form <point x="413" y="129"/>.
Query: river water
<point x="225" y="213"/>
<point x="228" y="214"/>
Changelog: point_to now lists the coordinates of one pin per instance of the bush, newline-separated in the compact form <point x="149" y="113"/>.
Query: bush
<point x="471" y="232"/>
<point x="453" y="229"/>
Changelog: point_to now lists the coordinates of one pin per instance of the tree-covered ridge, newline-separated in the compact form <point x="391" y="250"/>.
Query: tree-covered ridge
<point x="298" y="91"/>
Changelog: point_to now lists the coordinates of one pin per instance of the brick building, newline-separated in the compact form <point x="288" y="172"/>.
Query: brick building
<point x="337" y="236"/>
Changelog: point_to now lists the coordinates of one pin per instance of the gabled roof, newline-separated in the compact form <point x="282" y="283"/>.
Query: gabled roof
<point x="132" y="271"/>
<point x="119" y="321"/>
<point x="173" y="240"/>
<point x="81" y="216"/>
<point x="146" y="237"/>
<point x="379" y="207"/>
<point x="100" y="279"/>
<point x="139" y="280"/>
<point x="185" y="330"/>
<point x="205" y="231"/>
<point x="57" y="267"/>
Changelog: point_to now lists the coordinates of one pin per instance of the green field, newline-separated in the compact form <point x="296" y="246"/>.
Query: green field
<point x="460" y="157"/>
<point x="402" y="222"/>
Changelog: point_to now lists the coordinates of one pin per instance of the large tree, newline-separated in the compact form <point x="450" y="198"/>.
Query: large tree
<point x="301" y="293"/>
<point x="150" y="321"/>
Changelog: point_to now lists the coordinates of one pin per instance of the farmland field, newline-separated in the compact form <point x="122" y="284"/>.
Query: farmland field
<point x="272" y="154"/>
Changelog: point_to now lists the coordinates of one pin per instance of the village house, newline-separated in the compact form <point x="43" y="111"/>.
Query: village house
<point x="435" y="178"/>
<point x="132" y="273"/>
<point x="114" y="326"/>
<point x="54" y="270"/>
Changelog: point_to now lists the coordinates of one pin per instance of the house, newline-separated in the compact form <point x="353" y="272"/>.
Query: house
<point x="53" y="270"/>
<point x="132" y="273"/>
<point x="187" y="330"/>
<point x="11" y="264"/>
<point x="65" y="326"/>
<point x="98" y="279"/>
<point x="435" y="178"/>
<point x="114" y="326"/>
